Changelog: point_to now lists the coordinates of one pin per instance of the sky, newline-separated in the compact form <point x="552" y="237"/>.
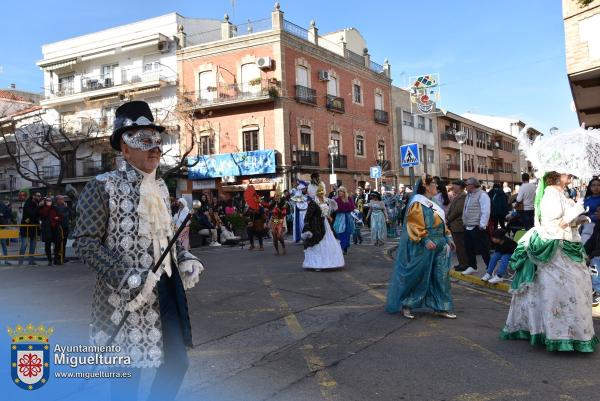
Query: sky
<point x="502" y="58"/>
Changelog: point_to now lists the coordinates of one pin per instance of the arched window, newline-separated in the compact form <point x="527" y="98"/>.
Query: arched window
<point x="250" y="78"/>
<point x="206" y="86"/>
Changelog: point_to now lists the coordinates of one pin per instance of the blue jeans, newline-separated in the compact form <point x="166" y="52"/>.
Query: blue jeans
<point x="503" y="259"/>
<point x="4" y="242"/>
<point x="32" y="243"/>
<point x="596" y="277"/>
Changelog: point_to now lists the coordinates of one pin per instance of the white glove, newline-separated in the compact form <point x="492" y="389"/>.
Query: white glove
<point x="146" y="293"/>
<point x="306" y="235"/>
<point x="190" y="272"/>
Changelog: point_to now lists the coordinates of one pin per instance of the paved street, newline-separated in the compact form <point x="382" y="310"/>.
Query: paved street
<point x="264" y="329"/>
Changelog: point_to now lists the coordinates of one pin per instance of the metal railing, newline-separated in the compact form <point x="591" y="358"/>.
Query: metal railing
<point x="335" y="103"/>
<point x="295" y="30"/>
<point x="355" y="58"/>
<point x="455" y="167"/>
<point x="448" y="137"/>
<point x="88" y="82"/>
<point x="224" y="93"/>
<point x="382" y="116"/>
<point x="94" y="167"/>
<point x="306" y="95"/>
<point x="378" y="68"/>
<point x="339" y="161"/>
<point x="307" y="158"/>
<point x="251" y="27"/>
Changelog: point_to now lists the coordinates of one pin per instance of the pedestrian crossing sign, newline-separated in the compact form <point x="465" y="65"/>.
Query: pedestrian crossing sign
<point x="409" y="155"/>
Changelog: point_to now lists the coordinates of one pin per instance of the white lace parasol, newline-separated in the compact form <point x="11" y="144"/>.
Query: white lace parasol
<point x="575" y="152"/>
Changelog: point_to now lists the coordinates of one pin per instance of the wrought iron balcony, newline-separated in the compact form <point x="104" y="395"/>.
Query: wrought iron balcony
<point x="307" y="158"/>
<point x="94" y="167"/>
<point x="258" y="90"/>
<point x="339" y="161"/>
<point x="306" y="95"/>
<point x="335" y="103"/>
<point x="382" y="117"/>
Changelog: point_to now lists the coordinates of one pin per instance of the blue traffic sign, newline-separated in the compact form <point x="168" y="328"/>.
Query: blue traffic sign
<point x="409" y="155"/>
<point x="376" y="172"/>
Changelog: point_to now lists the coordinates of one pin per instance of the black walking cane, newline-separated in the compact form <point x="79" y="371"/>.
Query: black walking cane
<point x="195" y="205"/>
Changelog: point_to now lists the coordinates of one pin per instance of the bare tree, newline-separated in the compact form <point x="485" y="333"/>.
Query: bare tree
<point x="32" y="139"/>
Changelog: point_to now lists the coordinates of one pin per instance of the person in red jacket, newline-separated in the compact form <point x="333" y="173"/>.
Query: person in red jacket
<point x="51" y="232"/>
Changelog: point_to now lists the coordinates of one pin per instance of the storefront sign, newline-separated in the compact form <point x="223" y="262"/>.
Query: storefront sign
<point x="204" y="184"/>
<point x="232" y="164"/>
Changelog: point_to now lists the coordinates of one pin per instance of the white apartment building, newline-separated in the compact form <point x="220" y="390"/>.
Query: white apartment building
<point x="87" y="77"/>
<point x="420" y="129"/>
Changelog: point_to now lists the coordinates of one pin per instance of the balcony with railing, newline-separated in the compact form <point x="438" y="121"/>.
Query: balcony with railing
<point x="230" y="95"/>
<point x="339" y="161"/>
<point x="307" y="158"/>
<point x="94" y="167"/>
<point x="382" y="117"/>
<point x="306" y="95"/>
<point x="335" y="103"/>
<point x="448" y="141"/>
<point x="86" y="85"/>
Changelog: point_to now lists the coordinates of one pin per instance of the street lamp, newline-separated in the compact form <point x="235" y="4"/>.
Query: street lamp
<point x="461" y="137"/>
<point x="333" y="151"/>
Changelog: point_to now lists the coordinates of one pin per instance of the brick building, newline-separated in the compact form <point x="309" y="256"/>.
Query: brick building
<point x="489" y="154"/>
<point x="268" y="99"/>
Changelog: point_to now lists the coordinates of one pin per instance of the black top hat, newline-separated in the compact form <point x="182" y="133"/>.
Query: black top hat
<point x="136" y="114"/>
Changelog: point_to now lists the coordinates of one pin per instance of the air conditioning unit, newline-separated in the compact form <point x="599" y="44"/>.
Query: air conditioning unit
<point x="323" y="75"/>
<point x="264" y="63"/>
<point x="163" y="47"/>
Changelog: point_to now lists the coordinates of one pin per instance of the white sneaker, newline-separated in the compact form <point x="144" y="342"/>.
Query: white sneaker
<point x="214" y="244"/>
<point x="469" y="271"/>
<point x="486" y="277"/>
<point x="496" y="279"/>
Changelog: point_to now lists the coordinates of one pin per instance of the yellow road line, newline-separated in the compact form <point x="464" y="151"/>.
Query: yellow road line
<point x="484" y="351"/>
<point x="365" y="287"/>
<point x="503" y="286"/>
<point x="496" y="395"/>
<point x="315" y="364"/>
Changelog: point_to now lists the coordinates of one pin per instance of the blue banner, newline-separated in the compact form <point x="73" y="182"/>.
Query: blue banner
<point x="232" y="164"/>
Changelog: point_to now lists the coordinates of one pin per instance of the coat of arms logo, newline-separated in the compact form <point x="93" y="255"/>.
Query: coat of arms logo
<point x="30" y="355"/>
<point x="424" y="93"/>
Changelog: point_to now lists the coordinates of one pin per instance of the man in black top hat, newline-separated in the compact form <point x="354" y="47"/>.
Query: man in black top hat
<point x="123" y="226"/>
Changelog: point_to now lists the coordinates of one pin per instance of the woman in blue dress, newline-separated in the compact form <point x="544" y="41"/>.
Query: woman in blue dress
<point x="378" y="217"/>
<point x="421" y="276"/>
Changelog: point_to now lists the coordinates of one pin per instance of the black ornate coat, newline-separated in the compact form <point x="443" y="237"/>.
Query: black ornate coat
<point x="107" y="240"/>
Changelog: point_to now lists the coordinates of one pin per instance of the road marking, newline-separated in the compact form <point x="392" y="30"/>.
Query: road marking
<point x="484" y="351"/>
<point x="365" y="287"/>
<point x="242" y="312"/>
<point x="315" y="364"/>
<point x="497" y="395"/>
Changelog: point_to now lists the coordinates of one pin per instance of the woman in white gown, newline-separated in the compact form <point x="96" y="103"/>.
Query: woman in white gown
<point x="321" y="249"/>
<point x="551" y="291"/>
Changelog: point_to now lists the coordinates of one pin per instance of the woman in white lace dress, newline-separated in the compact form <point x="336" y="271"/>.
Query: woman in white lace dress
<point x="551" y="291"/>
<point x="321" y="249"/>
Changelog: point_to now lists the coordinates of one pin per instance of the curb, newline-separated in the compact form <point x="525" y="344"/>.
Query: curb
<point x="478" y="281"/>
